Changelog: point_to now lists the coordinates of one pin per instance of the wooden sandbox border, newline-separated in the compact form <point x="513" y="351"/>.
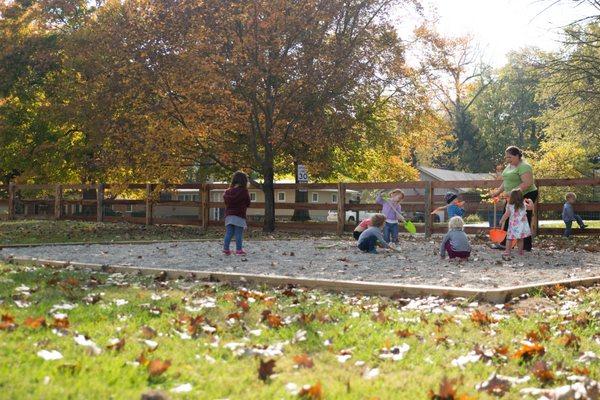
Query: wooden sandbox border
<point x="495" y="295"/>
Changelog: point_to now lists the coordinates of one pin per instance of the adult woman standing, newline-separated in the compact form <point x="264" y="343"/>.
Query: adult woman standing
<point x="518" y="174"/>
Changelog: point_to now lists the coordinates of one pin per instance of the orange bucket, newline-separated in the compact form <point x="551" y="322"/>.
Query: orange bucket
<point x="497" y="235"/>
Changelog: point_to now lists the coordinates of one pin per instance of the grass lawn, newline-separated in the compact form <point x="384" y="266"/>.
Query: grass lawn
<point x="212" y="339"/>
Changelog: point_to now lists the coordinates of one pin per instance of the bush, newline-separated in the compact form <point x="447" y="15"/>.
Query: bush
<point x="472" y="219"/>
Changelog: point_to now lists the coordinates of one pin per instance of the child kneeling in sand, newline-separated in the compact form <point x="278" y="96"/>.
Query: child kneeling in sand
<point x="456" y="242"/>
<point x="368" y="240"/>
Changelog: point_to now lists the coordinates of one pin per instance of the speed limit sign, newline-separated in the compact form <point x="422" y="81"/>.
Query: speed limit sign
<point x="302" y="174"/>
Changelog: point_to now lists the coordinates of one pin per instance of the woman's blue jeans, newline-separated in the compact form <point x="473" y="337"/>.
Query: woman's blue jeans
<point x="230" y="232"/>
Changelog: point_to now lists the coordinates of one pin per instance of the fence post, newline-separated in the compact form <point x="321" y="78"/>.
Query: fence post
<point x="11" y="201"/>
<point x="341" y="208"/>
<point x="535" y="219"/>
<point x="149" y="207"/>
<point x="100" y="202"/>
<point x="58" y="201"/>
<point x="204" y="210"/>
<point x="200" y="205"/>
<point x="428" y="208"/>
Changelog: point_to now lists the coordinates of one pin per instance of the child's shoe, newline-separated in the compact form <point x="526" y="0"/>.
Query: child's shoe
<point x="582" y="227"/>
<point x="240" y="253"/>
<point x="227" y="252"/>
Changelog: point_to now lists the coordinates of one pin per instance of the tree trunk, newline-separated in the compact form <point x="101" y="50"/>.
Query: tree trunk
<point x="301" y="197"/>
<point x="269" y="191"/>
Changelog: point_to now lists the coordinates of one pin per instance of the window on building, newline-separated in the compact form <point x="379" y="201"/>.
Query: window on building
<point x="315" y="197"/>
<point x="129" y="207"/>
<point x="252" y="196"/>
<point x="196" y="197"/>
<point x="334" y="198"/>
<point x="281" y="196"/>
<point x="181" y="197"/>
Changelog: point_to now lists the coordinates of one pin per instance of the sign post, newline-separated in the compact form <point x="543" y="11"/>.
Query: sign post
<point x="302" y="176"/>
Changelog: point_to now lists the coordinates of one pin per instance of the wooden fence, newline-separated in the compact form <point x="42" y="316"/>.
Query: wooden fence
<point x="423" y="200"/>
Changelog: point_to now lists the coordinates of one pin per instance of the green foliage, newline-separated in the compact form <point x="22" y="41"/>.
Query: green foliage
<point x="506" y="112"/>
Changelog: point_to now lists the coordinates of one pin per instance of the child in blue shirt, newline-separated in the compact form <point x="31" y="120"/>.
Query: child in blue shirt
<point x="454" y="206"/>
<point x="373" y="236"/>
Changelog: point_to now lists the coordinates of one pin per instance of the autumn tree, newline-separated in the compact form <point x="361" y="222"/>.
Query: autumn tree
<point x="247" y="84"/>
<point x="508" y="112"/>
<point x="33" y="145"/>
<point x="452" y="68"/>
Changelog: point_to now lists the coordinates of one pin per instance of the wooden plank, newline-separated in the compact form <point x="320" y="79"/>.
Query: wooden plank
<point x="58" y="202"/>
<point x="576" y="231"/>
<point x="76" y="186"/>
<point x="428" y="209"/>
<point x="34" y="186"/>
<point x="204" y="208"/>
<point x="466" y="184"/>
<point x="377" y="207"/>
<point x="182" y="185"/>
<point x="341" y="208"/>
<point x="175" y="221"/>
<point x="200" y="205"/>
<point x="11" y="201"/>
<point x="579" y="207"/>
<point x="79" y="202"/>
<point x="100" y="202"/>
<point x="535" y="218"/>
<point x="47" y="202"/>
<point x="385" y="185"/>
<point x="284" y="206"/>
<point x="148" y="204"/>
<point x="177" y="203"/>
<point x="493" y="295"/>
<point x="124" y="202"/>
<point x="569" y="182"/>
<point x="127" y="186"/>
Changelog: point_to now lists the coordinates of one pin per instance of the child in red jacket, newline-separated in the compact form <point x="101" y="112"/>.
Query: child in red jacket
<point x="237" y="200"/>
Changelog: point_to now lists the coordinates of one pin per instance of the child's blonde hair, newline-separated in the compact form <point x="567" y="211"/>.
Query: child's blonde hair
<point x="456" y="223"/>
<point x="570" y="195"/>
<point x="516" y="198"/>
<point x="399" y="191"/>
<point x="378" y="220"/>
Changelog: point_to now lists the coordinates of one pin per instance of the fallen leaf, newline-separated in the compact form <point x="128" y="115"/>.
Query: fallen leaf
<point x="274" y="320"/>
<point x="60" y="322"/>
<point x="185" y="388"/>
<point x="35" y="323"/>
<point x="8" y="322"/>
<point x="314" y="392"/>
<point x="541" y="370"/>
<point x="49" y="355"/>
<point x="116" y="344"/>
<point x="303" y="360"/>
<point x="569" y="339"/>
<point x="481" y="318"/>
<point x="265" y="369"/>
<point x="158" y="367"/>
<point x="148" y="332"/>
<point x="528" y="351"/>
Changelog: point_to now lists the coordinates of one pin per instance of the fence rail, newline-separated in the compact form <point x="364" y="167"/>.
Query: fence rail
<point x="57" y="196"/>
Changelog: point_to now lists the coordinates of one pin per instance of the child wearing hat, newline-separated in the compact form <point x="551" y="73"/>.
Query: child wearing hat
<point x="454" y="206"/>
<point x="392" y="211"/>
